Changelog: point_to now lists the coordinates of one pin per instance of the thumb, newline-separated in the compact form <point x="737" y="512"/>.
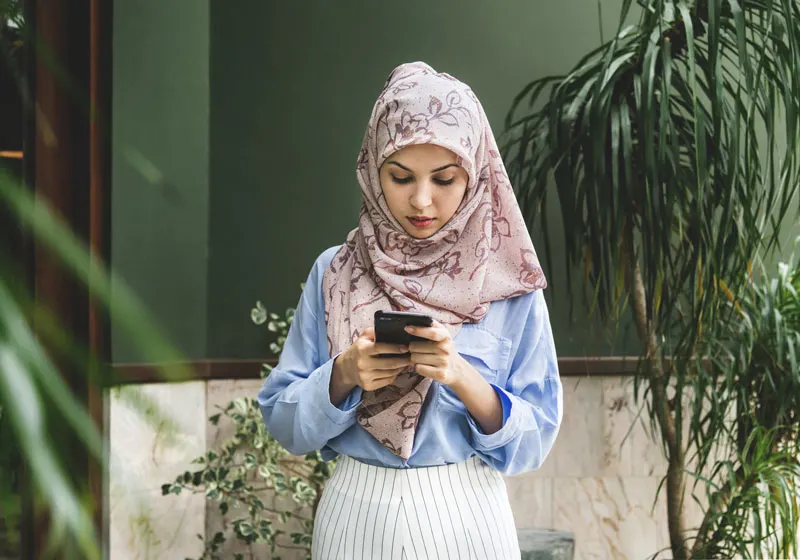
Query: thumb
<point x="368" y="333"/>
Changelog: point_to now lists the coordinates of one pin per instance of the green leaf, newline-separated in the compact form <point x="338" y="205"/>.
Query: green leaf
<point x="667" y="142"/>
<point x="259" y="314"/>
<point x="240" y="405"/>
<point x="22" y="406"/>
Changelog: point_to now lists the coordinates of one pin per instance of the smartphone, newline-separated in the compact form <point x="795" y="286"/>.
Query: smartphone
<point x="390" y="327"/>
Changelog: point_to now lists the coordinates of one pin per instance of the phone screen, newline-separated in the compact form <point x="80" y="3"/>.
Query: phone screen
<point x="390" y="327"/>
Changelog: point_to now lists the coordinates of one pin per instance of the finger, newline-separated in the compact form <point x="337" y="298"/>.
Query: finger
<point x="373" y="376"/>
<point x="426" y="347"/>
<point x="388" y="348"/>
<point x="436" y="334"/>
<point x="381" y="383"/>
<point x="432" y="372"/>
<point x="384" y="378"/>
<point x="384" y="364"/>
<point x="435" y="360"/>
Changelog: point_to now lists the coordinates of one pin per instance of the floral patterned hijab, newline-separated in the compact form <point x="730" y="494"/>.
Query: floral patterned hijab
<point x="483" y="254"/>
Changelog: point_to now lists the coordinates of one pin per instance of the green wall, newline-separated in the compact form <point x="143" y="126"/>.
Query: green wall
<point x="292" y="87"/>
<point x="255" y="115"/>
<point x="160" y="182"/>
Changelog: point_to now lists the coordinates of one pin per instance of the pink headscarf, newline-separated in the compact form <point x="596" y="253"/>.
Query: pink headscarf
<point x="483" y="254"/>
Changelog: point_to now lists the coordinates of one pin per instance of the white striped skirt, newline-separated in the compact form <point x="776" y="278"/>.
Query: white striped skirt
<point x="459" y="512"/>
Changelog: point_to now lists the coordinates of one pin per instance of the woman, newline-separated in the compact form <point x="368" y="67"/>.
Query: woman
<point x="424" y="439"/>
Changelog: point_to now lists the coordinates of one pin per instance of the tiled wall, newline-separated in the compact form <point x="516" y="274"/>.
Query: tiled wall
<point x="602" y="477"/>
<point x="145" y="453"/>
<point x="600" y="481"/>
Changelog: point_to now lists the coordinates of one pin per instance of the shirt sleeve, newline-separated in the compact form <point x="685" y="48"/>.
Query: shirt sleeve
<point x="295" y="398"/>
<point x="532" y="401"/>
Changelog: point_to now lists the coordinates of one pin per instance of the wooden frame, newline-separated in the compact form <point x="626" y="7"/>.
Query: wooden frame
<point x="208" y="370"/>
<point x="67" y="163"/>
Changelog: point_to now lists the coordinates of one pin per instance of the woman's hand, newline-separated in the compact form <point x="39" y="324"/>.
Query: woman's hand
<point x="360" y="365"/>
<point x="436" y="357"/>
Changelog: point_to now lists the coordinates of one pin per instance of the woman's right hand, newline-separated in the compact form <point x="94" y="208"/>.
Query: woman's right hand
<point x="359" y="365"/>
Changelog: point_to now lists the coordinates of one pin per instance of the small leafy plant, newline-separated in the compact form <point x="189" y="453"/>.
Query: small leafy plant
<point x="266" y="496"/>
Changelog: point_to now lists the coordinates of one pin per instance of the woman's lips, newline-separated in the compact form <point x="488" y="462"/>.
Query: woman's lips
<point x="421" y="222"/>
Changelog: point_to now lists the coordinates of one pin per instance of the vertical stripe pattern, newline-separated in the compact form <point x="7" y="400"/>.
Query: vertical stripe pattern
<point x="455" y="512"/>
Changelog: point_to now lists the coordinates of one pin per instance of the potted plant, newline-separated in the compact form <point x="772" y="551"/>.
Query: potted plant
<point x="663" y="148"/>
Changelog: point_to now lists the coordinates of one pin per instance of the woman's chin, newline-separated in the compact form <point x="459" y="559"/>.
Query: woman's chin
<point x="417" y="234"/>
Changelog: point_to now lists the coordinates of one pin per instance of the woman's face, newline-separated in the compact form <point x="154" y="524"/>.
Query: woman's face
<point x="423" y="186"/>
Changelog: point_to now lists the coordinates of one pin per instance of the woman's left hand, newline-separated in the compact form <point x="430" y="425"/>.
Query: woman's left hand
<point x="435" y="357"/>
<point x="438" y="359"/>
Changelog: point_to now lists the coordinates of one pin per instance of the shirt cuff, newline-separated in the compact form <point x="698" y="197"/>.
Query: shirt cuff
<point x="343" y="413"/>
<point x="488" y="442"/>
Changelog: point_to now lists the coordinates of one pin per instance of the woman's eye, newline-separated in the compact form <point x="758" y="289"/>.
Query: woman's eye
<point x="444" y="181"/>
<point x="400" y="180"/>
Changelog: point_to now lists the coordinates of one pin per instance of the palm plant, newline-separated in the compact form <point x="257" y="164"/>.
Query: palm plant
<point x="34" y="396"/>
<point x="11" y="15"/>
<point x="672" y="152"/>
<point x="38" y="411"/>
<point x="754" y="379"/>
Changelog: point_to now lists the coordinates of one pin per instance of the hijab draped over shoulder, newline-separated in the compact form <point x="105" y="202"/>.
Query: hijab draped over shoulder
<point x="483" y="254"/>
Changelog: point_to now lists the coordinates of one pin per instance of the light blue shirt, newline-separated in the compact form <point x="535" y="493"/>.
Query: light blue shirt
<point x="512" y="347"/>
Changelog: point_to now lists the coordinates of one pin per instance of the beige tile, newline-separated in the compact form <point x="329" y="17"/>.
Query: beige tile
<point x="611" y="517"/>
<point x="630" y="447"/>
<point x="149" y="526"/>
<point x="155" y="431"/>
<point x="578" y="450"/>
<point x="617" y="423"/>
<point x="696" y="503"/>
<point x="531" y="500"/>
<point x="219" y="394"/>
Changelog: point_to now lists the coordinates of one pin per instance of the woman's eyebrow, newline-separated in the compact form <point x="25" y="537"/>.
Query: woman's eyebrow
<point x="401" y="166"/>
<point x="442" y="168"/>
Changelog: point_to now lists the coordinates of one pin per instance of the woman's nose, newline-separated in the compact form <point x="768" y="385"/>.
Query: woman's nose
<point x="421" y="198"/>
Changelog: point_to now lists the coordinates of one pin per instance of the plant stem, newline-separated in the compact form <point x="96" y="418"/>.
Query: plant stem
<point x="675" y="453"/>
<point x="291" y="546"/>
<point x="297" y="472"/>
